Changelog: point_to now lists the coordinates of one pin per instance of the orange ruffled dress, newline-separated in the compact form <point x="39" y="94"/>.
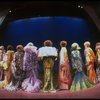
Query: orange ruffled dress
<point x="90" y="58"/>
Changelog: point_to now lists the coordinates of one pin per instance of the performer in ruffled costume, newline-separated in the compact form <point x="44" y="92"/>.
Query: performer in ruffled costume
<point x="80" y="80"/>
<point x="97" y="48"/>
<point x="17" y="70"/>
<point x="64" y="78"/>
<point x="2" y="54"/>
<point x="31" y="82"/>
<point x="90" y="59"/>
<point x="7" y="62"/>
<point x="48" y="54"/>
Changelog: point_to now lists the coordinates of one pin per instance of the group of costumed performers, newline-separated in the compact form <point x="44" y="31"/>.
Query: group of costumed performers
<point x="19" y="70"/>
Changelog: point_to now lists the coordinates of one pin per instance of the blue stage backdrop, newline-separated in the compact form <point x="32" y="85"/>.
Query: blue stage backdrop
<point x="56" y="28"/>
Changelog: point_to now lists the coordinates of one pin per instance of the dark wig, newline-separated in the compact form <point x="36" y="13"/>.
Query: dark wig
<point x="9" y="47"/>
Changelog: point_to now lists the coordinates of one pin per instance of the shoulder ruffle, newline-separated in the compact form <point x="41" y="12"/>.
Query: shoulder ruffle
<point x="47" y="51"/>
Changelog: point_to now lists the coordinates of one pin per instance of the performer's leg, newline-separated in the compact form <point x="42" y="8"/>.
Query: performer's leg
<point x="51" y="81"/>
<point x="46" y="78"/>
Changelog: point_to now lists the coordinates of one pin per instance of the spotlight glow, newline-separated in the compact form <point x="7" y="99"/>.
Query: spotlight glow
<point x="9" y="10"/>
<point x="79" y="6"/>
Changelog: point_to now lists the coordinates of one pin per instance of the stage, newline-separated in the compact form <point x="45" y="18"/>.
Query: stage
<point x="35" y="22"/>
<point x="93" y="92"/>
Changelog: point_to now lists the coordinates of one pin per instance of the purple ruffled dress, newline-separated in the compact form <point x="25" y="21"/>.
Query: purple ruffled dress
<point x="31" y="82"/>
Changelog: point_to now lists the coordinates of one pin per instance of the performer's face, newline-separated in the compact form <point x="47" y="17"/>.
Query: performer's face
<point x="87" y="45"/>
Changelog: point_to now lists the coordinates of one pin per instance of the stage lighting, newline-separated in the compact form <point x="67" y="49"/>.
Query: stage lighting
<point x="79" y="6"/>
<point x="10" y="11"/>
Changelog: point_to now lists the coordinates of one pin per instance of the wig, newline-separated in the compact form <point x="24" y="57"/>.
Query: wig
<point x="48" y="43"/>
<point x="63" y="43"/>
<point x="9" y="47"/>
<point x="19" y="47"/>
<point x="97" y="46"/>
<point x="87" y="43"/>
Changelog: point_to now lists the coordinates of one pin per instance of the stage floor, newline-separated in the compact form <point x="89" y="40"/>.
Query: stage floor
<point x="93" y="92"/>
